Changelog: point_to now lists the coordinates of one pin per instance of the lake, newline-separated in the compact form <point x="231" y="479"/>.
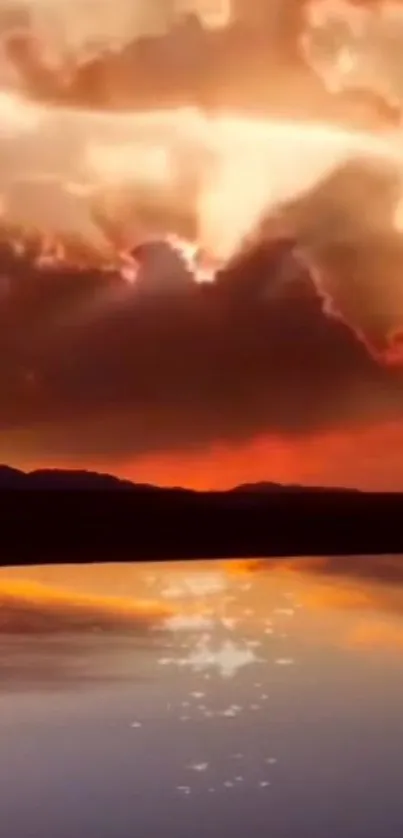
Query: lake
<point x="197" y="699"/>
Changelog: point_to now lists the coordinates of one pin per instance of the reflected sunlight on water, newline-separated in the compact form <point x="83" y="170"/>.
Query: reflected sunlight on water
<point x="203" y="698"/>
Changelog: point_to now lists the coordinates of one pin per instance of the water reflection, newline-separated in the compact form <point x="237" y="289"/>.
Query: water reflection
<point x="203" y="698"/>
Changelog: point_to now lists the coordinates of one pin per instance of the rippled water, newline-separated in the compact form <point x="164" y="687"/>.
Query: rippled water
<point x="196" y="699"/>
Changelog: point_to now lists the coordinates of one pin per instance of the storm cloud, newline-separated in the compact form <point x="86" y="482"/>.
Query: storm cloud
<point x="92" y="366"/>
<point x="300" y="333"/>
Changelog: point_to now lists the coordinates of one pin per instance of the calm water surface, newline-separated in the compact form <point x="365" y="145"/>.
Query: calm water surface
<point x="203" y="699"/>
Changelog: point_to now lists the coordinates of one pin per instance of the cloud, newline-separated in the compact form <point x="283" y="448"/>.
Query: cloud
<point x="356" y="45"/>
<point x="75" y="27"/>
<point x="89" y="373"/>
<point x="346" y="227"/>
<point x="365" y="456"/>
<point x="289" y="341"/>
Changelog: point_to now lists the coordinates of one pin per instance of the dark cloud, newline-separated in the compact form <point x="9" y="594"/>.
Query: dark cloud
<point x="347" y="226"/>
<point x="90" y="366"/>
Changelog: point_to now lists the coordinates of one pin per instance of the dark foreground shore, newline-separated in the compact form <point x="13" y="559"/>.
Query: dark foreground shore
<point x="46" y="522"/>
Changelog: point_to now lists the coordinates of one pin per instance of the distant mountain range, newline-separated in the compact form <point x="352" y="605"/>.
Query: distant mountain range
<point x="77" y="479"/>
<point x="79" y="516"/>
<point x="50" y="479"/>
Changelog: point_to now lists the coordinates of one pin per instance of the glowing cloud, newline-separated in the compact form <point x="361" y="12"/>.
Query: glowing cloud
<point x="78" y="27"/>
<point x="356" y="46"/>
<point x="149" y="172"/>
<point x="210" y="186"/>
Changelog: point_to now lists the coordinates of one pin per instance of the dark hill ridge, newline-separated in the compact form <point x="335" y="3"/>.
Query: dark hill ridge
<point x="115" y="520"/>
<point x="81" y="479"/>
<point x="50" y="479"/>
<point x="279" y="487"/>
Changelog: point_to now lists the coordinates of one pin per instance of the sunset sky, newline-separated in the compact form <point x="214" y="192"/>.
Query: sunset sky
<point x="201" y="285"/>
<point x="286" y="365"/>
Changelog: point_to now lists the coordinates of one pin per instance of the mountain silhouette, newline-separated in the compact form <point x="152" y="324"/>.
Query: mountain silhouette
<point x="51" y="479"/>
<point x="55" y="516"/>
<point x="82" y="479"/>
<point x="265" y="486"/>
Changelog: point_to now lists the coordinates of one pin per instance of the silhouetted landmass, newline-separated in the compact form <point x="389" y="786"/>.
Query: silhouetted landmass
<point x="52" y="479"/>
<point x="278" y="487"/>
<point x="62" y="516"/>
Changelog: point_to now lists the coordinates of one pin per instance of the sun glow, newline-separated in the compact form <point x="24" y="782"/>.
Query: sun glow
<point x="70" y="172"/>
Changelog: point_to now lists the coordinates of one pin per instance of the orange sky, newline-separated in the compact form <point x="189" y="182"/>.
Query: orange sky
<point x="368" y="457"/>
